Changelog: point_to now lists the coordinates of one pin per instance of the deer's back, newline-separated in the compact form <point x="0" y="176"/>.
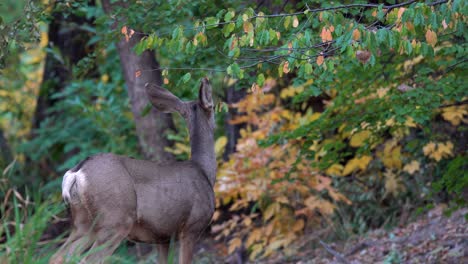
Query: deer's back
<point x="164" y="199"/>
<point x="171" y="196"/>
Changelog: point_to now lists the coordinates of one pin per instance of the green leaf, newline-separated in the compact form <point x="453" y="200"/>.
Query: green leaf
<point x="264" y="37"/>
<point x="287" y="22"/>
<point x="229" y="15"/>
<point x="235" y="71"/>
<point x="211" y="22"/>
<point x="186" y="77"/>
<point x="260" y="80"/>
<point x="228" y="28"/>
<point x="234" y="53"/>
<point x="308" y="68"/>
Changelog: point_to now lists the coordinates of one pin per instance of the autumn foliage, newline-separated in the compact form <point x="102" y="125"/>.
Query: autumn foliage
<point x="283" y="187"/>
<point x="355" y="116"/>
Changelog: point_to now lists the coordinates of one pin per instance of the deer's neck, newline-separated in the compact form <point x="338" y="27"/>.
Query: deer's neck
<point x="202" y="151"/>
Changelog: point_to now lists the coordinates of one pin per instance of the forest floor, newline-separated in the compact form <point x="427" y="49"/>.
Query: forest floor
<point x="432" y="238"/>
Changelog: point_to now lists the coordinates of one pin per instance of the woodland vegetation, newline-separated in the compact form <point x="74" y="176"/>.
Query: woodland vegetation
<point x="333" y="118"/>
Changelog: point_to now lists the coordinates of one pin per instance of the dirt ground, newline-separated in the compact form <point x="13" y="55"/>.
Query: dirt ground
<point x="432" y="238"/>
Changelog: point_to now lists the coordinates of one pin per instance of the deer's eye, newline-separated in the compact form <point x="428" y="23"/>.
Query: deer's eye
<point x="194" y="107"/>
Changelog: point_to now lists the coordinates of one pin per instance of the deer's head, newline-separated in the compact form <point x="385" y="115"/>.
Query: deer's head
<point x="199" y="114"/>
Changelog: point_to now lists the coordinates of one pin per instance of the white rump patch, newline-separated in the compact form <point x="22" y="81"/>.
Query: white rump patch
<point x="70" y="179"/>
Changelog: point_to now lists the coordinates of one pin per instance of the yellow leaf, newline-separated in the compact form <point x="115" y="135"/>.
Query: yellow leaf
<point x="247" y="221"/>
<point x="393" y="185"/>
<point x="392" y="156"/>
<point x="412" y="167"/>
<point x="326" y="207"/>
<point x="44" y="39"/>
<point x="254" y="236"/>
<point x="248" y="27"/>
<point x="338" y="196"/>
<point x="311" y="202"/>
<point x="444" y="24"/>
<point x="431" y="37"/>
<point x="381" y="92"/>
<point x="289" y="91"/>
<point x="400" y="12"/>
<point x="286" y="67"/>
<point x="271" y="210"/>
<point x="438" y="151"/>
<point x="226" y="200"/>
<point x="255" y="89"/>
<point x="355" y="164"/>
<point x="220" y="144"/>
<point x="298" y="225"/>
<point x="356" y="34"/>
<point x="282" y="199"/>
<point x="446" y="149"/>
<point x="390" y="122"/>
<point x="276" y="244"/>
<point x="326" y="35"/>
<point x="335" y="170"/>
<point x="429" y="148"/>
<point x="104" y="78"/>
<point x="410" y="122"/>
<point x="455" y="115"/>
<point x="320" y="60"/>
<point x="295" y="22"/>
<point x="256" y="250"/>
<point x="359" y="138"/>
<point x="233" y="244"/>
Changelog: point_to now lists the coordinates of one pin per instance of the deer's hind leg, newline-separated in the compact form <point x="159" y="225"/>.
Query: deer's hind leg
<point x="114" y="207"/>
<point x="79" y="239"/>
<point x="106" y="241"/>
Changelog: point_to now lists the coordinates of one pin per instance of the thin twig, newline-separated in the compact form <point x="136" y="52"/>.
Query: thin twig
<point x="454" y="104"/>
<point x="335" y="253"/>
<point x="316" y="10"/>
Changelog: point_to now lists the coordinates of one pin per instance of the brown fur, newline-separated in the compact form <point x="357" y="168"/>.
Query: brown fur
<point x="115" y="197"/>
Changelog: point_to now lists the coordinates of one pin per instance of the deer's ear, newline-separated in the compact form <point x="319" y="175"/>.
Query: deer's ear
<point x="163" y="100"/>
<point x="205" y="94"/>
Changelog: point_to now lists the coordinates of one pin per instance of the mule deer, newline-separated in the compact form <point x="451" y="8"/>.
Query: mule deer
<point x="115" y="197"/>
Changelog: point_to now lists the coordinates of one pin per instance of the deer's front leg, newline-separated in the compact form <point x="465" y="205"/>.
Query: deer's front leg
<point x="187" y="245"/>
<point x="163" y="253"/>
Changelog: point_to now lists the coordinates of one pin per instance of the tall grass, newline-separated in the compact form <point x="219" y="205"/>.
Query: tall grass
<point x="24" y="221"/>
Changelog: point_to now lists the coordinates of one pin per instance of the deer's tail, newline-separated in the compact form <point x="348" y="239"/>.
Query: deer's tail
<point x="73" y="185"/>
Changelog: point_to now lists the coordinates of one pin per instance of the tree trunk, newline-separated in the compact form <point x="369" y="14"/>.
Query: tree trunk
<point x="232" y="131"/>
<point x="69" y="40"/>
<point x="5" y="151"/>
<point x="151" y="127"/>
